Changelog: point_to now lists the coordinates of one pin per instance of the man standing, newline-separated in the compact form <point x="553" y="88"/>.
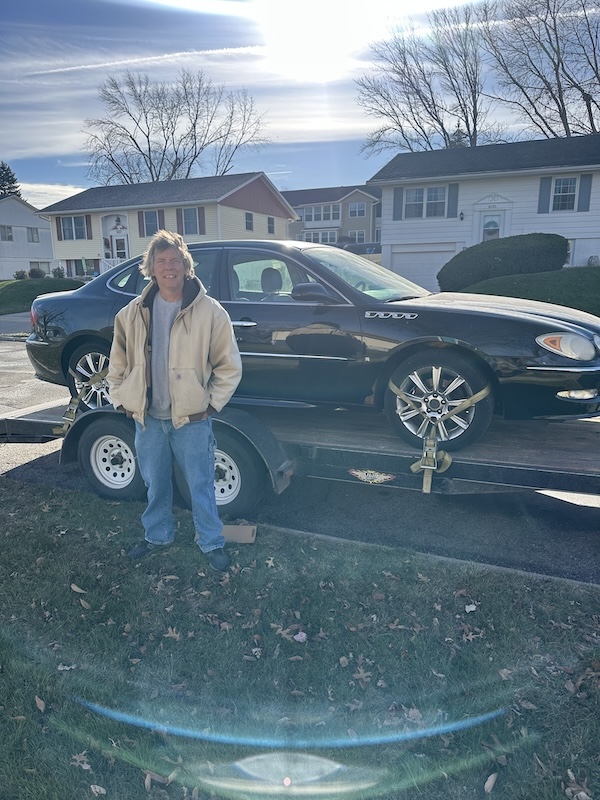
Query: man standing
<point x="174" y="361"/>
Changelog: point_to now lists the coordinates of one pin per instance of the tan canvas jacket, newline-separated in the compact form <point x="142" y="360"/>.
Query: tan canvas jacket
<point x="204" y="361"/>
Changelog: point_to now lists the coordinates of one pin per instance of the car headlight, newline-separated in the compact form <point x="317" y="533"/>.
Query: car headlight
<point x="571" y="345"/>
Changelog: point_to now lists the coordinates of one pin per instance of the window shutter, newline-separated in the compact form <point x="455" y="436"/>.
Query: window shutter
<point x="398" y="200"/>
<point x="179" y="215"/>
<point x="585" y="191"/>
<point x="88" y="226"/>
<point x="453" y="199"/>
<point x="201" y="221"/>
<point x="544" y="196"/>
<point x="58" y="229"/>
<point x="161" y="219"/>
<point x="141" y="226"/>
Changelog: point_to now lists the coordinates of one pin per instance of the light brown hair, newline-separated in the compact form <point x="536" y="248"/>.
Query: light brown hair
<point x="163" y="240"/>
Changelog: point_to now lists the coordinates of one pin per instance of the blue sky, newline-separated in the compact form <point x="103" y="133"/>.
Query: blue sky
<point x="298" y="61"/>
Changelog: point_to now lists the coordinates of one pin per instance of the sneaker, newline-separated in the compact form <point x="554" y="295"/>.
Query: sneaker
<point x="219" y="560"/>
<point x="142" y="549"/>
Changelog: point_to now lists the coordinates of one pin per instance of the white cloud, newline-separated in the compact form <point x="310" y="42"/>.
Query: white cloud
<point x="41" y="195"/>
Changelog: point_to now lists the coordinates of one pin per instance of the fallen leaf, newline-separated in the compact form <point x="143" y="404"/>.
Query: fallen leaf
<point x="66" y="667"/>
<point x="84" y="603"/>
<point x="300" y="636"/>
<point x="460" y="593"/>
<point x="527" y="705"/>
<point x="172" y="633"/>
<point x="97" y="790"/>
<point x="505" y="673"/>
<point x="490" y="783"/>
<point x="77" y="589"/>
<point x="344" y="661"/>
<point x="270" y="562"/>
<point x="81" y="760"/>
<point x="40" y="704"/>
<point x="226" y="626"/>
<point x="470" y="607"/>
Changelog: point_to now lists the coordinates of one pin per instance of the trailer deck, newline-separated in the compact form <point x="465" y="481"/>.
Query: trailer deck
<point x="358" y="447"/>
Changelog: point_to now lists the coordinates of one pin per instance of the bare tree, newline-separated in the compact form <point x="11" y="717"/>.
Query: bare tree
<point x="163" y="131"/>
<point x="427" y="86"/>
<point x="545" y="56"/>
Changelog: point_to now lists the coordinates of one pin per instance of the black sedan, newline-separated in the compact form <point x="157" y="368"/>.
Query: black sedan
<point x="318" y="325"/>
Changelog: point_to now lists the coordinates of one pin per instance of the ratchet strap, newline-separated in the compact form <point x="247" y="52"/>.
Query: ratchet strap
<point x="71" y="412"/>
<point x="434" y="460"/>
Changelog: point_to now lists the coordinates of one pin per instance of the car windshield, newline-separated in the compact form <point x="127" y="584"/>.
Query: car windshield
<point x="364" y="276"/>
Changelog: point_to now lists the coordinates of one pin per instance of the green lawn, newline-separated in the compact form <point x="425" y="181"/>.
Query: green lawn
<point x="16" y="296"/>
<point x="330" y="665"/>
<point x="577" y="287"/>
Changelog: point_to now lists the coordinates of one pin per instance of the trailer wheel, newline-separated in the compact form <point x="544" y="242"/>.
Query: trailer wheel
<point x="106" y="455"/>
<point x="437" y="382"/>
<point x="86" y="362"/>
<point x="240" y="476"/>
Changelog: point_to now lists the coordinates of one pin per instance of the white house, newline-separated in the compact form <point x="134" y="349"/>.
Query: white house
<point x="25" y="239"/>
<point x="436" y="203"/>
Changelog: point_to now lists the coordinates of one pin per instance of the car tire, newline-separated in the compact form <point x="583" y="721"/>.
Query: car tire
<point x="106" y="456"/>
<point x="85" y="362"/>
<point x="438" y="381"/>
<point x="240" y="476"/>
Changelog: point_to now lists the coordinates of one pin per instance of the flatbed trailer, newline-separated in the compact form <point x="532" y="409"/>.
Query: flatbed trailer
<point x="267" y="446"/>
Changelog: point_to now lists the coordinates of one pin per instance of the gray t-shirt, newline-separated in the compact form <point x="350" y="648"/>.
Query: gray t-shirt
<point x="163" y="316"/>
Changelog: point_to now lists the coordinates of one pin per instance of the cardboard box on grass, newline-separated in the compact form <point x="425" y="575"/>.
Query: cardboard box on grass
<point x="242" y="534"/>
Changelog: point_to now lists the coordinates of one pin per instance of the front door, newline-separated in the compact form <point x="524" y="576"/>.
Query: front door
<point x="120" y="246"/>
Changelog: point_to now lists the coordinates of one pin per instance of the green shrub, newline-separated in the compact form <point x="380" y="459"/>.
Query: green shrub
<point x="20" y="275"/>
<point x="513" y="255"/>
<point x="58" y="272"/>
<point x="36" y="272"/>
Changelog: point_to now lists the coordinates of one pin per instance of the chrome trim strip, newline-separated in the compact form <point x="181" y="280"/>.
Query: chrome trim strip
<point x="292" y="355"/>
<point x="244" y="324"/>
<point x="565" y="369"/>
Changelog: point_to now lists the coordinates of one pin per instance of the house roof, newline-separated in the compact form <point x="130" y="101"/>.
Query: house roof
<point x="12" y="196"/>
<point x="161" y="193"/>
<point x="331" y="194"/>
<point x="573" y="152"/>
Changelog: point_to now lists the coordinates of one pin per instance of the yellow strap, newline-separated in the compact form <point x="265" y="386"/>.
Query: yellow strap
<point x="71" y="412"/>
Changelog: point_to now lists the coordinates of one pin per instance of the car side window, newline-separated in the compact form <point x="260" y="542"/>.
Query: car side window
<point x="257" y="276"/>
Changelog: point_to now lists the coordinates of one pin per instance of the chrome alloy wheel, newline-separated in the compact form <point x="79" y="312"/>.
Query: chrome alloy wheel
<point x="86" y="368"/>
<point x="428" y="393"/>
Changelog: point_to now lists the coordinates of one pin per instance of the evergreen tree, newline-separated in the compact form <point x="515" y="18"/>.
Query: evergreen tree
<point x="8" y="181"/>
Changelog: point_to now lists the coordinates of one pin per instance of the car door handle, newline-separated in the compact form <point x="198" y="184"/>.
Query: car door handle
<point x="244" y="323"/>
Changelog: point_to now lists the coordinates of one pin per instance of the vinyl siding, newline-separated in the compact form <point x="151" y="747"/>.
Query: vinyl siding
<point x="514" y="198"/>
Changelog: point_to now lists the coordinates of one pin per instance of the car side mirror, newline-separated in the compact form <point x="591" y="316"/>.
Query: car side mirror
<point x="313" y="292"/>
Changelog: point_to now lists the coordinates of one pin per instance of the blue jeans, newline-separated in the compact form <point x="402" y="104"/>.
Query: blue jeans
<point x="193" y="446"/>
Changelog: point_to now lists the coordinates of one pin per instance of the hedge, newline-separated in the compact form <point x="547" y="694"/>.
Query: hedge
<point x="512" y="255"/>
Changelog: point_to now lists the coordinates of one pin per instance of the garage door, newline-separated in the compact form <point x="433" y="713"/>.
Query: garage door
<point x="422" y="267"/>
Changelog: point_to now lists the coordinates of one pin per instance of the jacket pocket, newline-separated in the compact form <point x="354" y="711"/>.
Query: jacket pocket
<point x="188" y="395"/>
<point x="131" y="394"/>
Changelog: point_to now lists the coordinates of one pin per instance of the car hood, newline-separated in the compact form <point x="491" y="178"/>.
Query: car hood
<point x="496" y="305"/>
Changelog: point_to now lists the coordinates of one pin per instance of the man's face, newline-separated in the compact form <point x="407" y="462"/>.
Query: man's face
<point x="169" y="272"/>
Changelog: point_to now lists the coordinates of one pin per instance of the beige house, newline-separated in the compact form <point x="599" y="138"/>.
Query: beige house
<point x="100" y="227"/>
<point x="336" y="215"/>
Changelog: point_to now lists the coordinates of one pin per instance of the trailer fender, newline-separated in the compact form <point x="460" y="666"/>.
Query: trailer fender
<point x="250" y="429"/>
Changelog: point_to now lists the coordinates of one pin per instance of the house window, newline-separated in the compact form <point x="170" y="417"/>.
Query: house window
<point x="73" y="228"/>
<point x="358" y="237"/>
<point x="249" y="221"/>
<point x="33" y="235"/>
<point x="358" y="209"/>
<point x="43" y="265"/>
<point x="270" y="224"/>
<point x="6" y="233"/>
<point x="321" y="237"/>
<point x="151" y="222"/>
<point x="565" y="190"/>
<point x="430" y="202"/>
<point x="377" y="234"/>
<point x="328" y="213"/>
<point x="436" y="201"/>
<point x="491" y="228"/>
<point x="190" y="221"/>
